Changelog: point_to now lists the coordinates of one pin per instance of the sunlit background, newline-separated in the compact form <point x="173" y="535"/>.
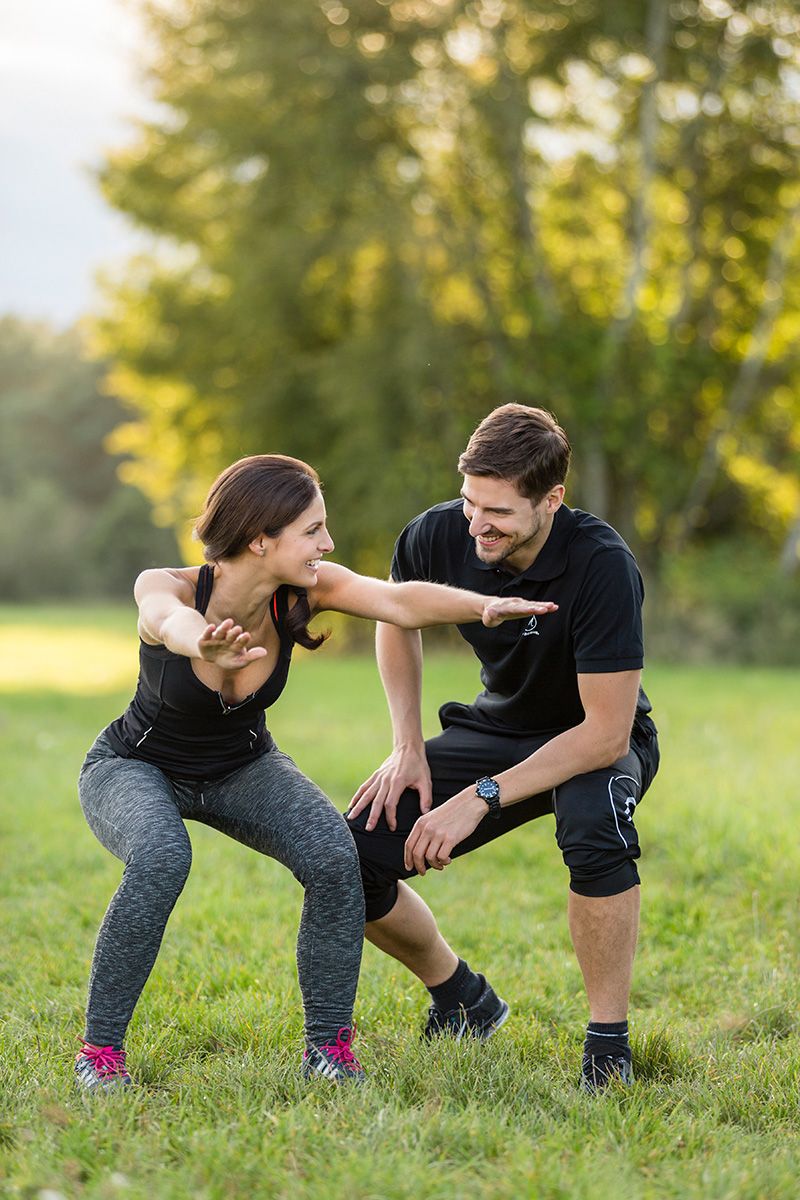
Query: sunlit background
<point x="347" y="231"/>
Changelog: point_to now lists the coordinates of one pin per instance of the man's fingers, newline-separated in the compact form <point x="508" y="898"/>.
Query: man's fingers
<point x="380" y="800"/>
<point x="420" y="858"/>
<point x="381" y="803"/>
<point x="362" y="791"/>
<point x="425" y="789"/>
<point x="434" y="853"/>
<point x="376" y="808"/>
<point x="408" y="849"/>
<point x="416" y="847"/>
<point x="361" y="800"/>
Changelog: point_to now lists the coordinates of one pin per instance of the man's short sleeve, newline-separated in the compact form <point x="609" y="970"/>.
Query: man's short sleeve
<point x="411" y="558"/>
<point x="607" y="622"/>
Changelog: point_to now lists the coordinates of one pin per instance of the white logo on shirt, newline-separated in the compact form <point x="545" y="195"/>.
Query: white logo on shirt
<point x="530" y="628"/>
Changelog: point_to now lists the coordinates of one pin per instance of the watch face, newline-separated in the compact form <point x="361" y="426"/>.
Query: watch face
<point x="487" y="789"/>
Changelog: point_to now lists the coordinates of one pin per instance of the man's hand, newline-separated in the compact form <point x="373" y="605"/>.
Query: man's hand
<point x="406" y="767"/>
<point x="437" y="833"/>
<point x="508" y="608"/>
<point x="226" y="645"/>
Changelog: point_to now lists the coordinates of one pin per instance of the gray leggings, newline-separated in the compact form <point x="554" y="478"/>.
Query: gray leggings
<point x="138" y="814"/>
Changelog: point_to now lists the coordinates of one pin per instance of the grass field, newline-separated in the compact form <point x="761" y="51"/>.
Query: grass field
<point x="220" y="1110"/>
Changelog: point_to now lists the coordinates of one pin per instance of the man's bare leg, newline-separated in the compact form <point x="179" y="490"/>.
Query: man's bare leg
<point x="604" y="931"/>
<point x="410" y="934"/>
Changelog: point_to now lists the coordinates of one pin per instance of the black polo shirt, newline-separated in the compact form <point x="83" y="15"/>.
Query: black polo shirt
<point x="529" y="668"/>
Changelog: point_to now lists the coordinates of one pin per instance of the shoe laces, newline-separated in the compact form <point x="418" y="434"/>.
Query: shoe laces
<point x="341" y="1051"/>
<point x="105" y="1059"/>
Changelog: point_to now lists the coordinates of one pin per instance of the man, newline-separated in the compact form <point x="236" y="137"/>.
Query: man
<point x="561" y="727"/>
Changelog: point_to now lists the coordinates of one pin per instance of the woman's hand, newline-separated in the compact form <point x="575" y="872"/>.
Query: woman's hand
<point x="508" y="608"/>
<point x="226" y="645"/>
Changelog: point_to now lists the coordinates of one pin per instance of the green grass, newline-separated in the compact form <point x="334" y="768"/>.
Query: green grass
<point x="220" y="1111"/>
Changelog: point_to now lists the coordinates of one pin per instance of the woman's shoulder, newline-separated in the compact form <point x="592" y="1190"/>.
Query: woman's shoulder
<point x="157" y="592"/>
<point x="179" y="581"/>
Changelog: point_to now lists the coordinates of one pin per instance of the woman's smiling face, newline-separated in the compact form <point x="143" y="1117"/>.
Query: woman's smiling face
<point x="295" y="553"/>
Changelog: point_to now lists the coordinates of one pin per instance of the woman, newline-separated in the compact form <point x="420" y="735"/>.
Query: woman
<point x="215" y="647"/>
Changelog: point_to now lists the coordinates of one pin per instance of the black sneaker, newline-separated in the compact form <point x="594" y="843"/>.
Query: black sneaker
<point x="600" y="1071"/>
<point x="480" y="1020"/>
<point x="335" y="1061"/>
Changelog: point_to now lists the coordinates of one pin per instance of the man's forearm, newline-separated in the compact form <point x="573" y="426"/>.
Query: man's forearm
<point x="577" y="751"/>
<point x="399" y="655"/>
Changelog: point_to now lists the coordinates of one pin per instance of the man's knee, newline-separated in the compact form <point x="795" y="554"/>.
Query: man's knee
<point x="595" y="831"/>
<point x="380" y="854"/>
<point x="379" y="872"/>
<point x="380" y="897"/>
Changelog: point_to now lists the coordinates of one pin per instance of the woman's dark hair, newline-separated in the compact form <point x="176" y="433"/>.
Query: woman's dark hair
<point x="260" y="494"/>
<point x="523" y="445"/>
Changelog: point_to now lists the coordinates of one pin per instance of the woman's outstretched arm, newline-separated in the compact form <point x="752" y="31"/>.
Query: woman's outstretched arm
<point x="414" y="605"/>
<point x="167" y="617"/>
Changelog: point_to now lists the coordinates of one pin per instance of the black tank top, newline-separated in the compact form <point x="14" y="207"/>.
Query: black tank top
<point x="183" y="726"/>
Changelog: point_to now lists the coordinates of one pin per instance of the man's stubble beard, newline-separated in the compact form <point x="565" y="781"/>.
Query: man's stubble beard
<point x="514" y="546"/>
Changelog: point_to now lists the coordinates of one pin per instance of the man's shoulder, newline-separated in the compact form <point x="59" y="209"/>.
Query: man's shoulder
<point x="442" y="512"/>
<point x="592" y="535"/>
<point x="431" y="546"/>
<point x="440" y="519"/>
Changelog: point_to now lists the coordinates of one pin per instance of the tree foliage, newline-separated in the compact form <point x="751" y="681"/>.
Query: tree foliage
<point x="69" y="527"/>
<point x="377" y="219"/>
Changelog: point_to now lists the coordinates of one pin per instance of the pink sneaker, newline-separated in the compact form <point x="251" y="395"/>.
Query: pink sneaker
<point x="101" y="1068"/>
<point x="335" y="1061"/>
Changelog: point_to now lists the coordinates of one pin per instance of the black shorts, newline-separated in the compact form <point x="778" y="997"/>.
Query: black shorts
<point x="594" y="812"/>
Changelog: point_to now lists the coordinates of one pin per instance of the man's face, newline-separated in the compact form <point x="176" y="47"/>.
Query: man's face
<point x="508" y="528"/>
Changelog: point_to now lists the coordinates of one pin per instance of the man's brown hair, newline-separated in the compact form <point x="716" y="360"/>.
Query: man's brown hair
<point x="525" y="446"/>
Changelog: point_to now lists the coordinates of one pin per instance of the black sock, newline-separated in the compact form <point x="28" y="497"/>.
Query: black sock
<point x="463" y="987"/>
<point x="607" y="1039"/>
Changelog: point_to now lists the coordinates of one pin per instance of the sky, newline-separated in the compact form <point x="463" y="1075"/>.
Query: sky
<point x="69" y="87"/>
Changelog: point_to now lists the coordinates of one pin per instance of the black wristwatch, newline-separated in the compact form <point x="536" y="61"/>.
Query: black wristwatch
<point x="489" y="791"/>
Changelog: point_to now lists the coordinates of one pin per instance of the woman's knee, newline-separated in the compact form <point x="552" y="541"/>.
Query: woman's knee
<point x="337" y="864"/>
<point x="160" y="866"/>
<point x="329" y="865"/>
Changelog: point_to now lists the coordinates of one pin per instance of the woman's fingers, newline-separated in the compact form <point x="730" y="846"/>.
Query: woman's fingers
<point x="510" y="607"/>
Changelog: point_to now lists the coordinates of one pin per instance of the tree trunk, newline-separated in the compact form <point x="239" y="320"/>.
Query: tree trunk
<point x="790" y="555"/>
<point x="745" y="386"/>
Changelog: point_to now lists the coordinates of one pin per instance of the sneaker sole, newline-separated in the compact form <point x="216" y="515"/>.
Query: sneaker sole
<point x="334" y="1078"/>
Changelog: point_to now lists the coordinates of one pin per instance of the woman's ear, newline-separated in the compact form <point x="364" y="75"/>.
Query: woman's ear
<point x="258" y="545"/>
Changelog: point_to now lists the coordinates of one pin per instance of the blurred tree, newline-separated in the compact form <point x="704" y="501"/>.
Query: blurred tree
<point x="69" y="527"/>
<point x="379" y="218"/>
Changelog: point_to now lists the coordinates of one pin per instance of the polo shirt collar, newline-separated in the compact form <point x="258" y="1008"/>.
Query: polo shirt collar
<point x="550" y="562"/>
